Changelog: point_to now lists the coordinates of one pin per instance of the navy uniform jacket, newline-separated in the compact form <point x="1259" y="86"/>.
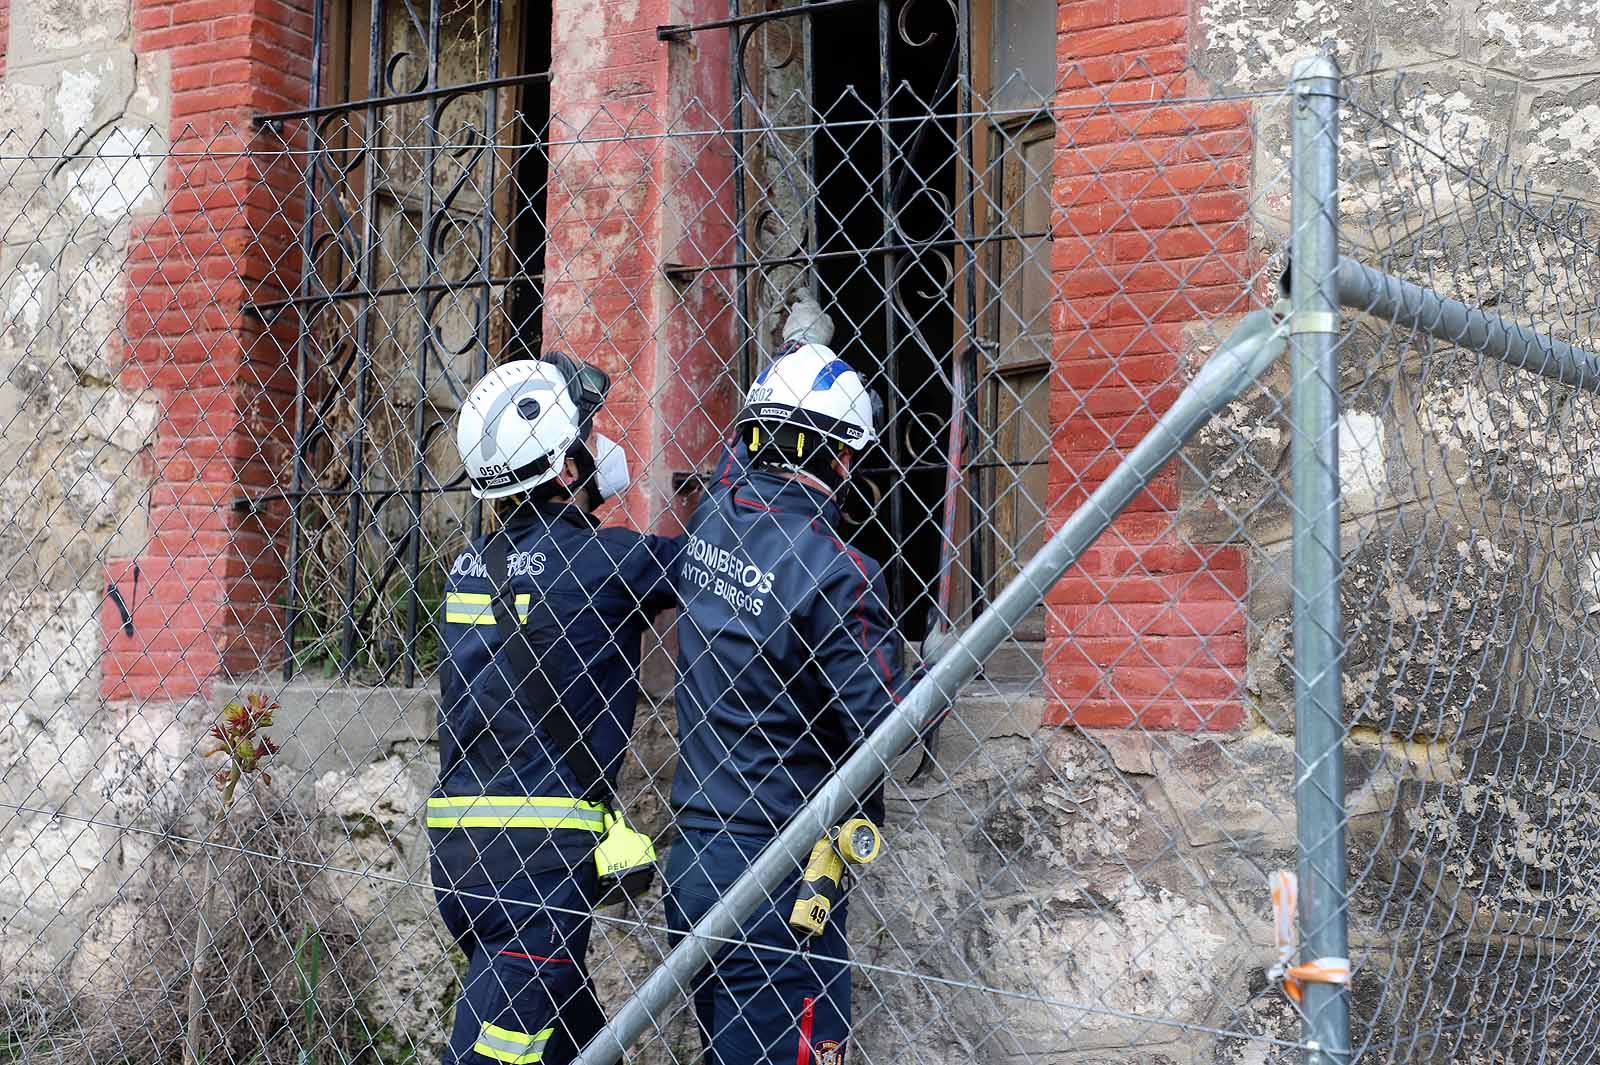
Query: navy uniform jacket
<point x="786" y="652"/>
<point x="587" y="595"/>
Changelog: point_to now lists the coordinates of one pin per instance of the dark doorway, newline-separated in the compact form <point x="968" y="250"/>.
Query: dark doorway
<point x="886" y="183"/>
<point x="530" y="170"/>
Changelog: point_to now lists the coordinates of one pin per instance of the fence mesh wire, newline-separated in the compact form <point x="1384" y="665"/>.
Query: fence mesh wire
<point x="1469" y="588"/>
<point x="234" y="364"/>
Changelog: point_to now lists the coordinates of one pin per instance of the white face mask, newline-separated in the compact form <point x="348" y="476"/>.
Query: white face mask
<point x="610" y="467"/>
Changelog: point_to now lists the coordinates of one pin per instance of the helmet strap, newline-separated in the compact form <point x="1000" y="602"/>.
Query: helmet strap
<point x="587" y="480"/>
<point x="796" y="450"/>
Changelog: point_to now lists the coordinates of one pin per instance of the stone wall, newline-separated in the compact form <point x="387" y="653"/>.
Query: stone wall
<point x="1467" y="527"/>
<point x="103" y="896"/>
<point x="131" y="414"/>
<point x="76" y="102"/>
<point x="1504" y="76"/>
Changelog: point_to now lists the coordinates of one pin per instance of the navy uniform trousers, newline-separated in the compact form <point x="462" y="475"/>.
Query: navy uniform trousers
<point x="527" y="998"/>
<point x="776" y="996"/>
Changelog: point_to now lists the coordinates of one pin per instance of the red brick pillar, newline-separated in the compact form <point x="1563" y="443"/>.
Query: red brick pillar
<point x="1150" y="240"/>
<point x="211" y="573"/>
<point x="639" y="182"/>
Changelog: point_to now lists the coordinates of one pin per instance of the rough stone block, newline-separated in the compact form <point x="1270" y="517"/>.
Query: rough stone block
<point x="30" y="297"/>
<point x="45" y="29"/>
<point x="1507" y="846"/>
<point x="1223" y="792"/>
<point x="1405" y="141"/>
<point x="1435" y="609"/>
<point x="1233" y="485"/>
<point x="120" y="176"/>
<point x="1480" y="1000"/>
<point x="1057" y="867"/>
<point x="1562" y="663"/>
<point x="87" y="94"/>
<point x="331" y="732"/>
<point x="1544" y="36"/>
<point x="1559" y="141"/>
<point x="1253" y="44"/>
<point x="52" y="863"/>
<point x="48" y="638"/>
<point x="1505" y="435"/>
<point x="92" y="301"/>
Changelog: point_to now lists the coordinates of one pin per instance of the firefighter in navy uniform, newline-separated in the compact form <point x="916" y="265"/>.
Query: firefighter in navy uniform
<point x="543" y="621"/>
<point x="786" y="658"/>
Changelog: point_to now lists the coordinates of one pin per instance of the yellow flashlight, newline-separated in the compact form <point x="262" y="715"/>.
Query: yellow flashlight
<point x="855" y="842"/>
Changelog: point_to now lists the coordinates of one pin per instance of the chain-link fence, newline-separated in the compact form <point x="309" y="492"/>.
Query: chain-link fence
<point x="1468" y="544"/>
<point x="236" y="361"/>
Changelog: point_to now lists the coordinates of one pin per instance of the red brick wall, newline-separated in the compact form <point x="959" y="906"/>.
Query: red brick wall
<point x="5" y="33"/>
<point x="210" y="575"/>
<point x="623" y="205"/>
<point x="1150" y="240"/>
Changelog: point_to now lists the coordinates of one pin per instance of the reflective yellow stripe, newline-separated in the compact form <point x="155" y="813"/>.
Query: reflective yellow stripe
<point x="456" y="802"/>
<point x="477" y="608"/>
<point x="516" y="1048"/>
<point x="453" y="617"/>
<point x="514" y="811"/>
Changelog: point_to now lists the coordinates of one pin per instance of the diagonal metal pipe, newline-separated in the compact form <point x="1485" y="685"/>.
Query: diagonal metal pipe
<point x="1246" y="353"/>
<point x="1361" y="288"/>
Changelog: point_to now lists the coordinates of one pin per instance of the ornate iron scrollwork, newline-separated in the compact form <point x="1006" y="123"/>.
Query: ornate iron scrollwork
<point x="395" y="311"/>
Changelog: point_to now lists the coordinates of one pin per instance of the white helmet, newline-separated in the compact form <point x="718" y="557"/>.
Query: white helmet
<point x="516" y="428"/>
<point x="812" y="388"/>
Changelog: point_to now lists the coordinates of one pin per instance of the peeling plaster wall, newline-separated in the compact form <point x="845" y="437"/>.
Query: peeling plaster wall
<point x="1516" y="77"/>
<point x="1469" y="499"/>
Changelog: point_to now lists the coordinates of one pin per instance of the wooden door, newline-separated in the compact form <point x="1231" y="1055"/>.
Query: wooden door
<point x="1015" y="400"/>
<point x="1015" y="79"/>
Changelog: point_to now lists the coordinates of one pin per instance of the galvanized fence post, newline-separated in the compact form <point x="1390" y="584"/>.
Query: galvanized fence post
<point x="1318" y="646"/>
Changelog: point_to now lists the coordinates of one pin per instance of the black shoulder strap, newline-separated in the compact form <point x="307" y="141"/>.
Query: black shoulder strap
<point x="530" y="679"/>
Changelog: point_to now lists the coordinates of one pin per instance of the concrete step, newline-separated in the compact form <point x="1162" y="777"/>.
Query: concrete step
<point x="985" y="712"/>
<point x="1014" y="661"/>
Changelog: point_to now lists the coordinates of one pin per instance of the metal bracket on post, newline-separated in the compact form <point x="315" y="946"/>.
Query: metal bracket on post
<point x="1305" y="322"/>
<point x="1318" y="644"/>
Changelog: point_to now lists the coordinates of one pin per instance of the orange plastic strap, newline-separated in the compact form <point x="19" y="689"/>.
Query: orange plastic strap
<point x="1285" y="899"/>
<point x="1321" y="971"/>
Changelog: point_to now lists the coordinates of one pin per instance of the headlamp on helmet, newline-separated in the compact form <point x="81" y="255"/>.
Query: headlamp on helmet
<point x="586" y="384"/>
